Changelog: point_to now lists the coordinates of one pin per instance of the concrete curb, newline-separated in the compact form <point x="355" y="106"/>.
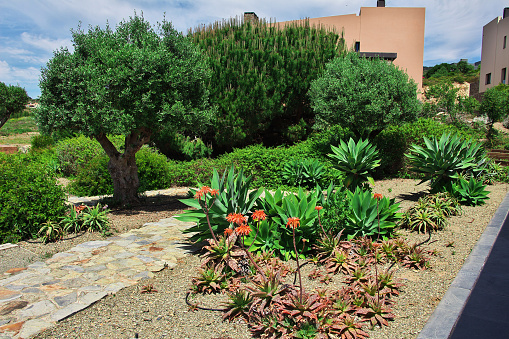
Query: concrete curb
<point x="447" y="313"/>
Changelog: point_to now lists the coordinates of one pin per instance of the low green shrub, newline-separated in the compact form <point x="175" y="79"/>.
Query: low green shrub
<point x="77" y="152"/>
<point x="41" y="141"/>
<point x="190" y="173"/>
<point x="264" y="164"/>
<point x="94" y="177"/>
<point x="153" y="170"/>
<point x="29" y="197"/>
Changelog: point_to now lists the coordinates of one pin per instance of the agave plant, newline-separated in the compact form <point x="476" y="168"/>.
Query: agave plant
<point x="303" y="173"/>
<point x="470" y="192"/>
<point x="369" y="216"/>
<point x="233" y="197"/>
<point x="357" y="160"/>
<point x="444" y="159"/>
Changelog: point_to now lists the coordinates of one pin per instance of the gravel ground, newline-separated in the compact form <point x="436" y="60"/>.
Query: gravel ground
<point x="165" y="314"/>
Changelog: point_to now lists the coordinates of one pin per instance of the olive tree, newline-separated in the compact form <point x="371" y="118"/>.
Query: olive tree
<point x="495" y="105"/>
<point x="12" y="100"/>
<point x="365" y="95"/>
<point x="130" y="81"/>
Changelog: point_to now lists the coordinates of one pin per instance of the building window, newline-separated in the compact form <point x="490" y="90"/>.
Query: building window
<point x="504" y="73"/>
<point x="357" y="46"/>
<point x="505" y="41"/>
<point x="488" y="78"/>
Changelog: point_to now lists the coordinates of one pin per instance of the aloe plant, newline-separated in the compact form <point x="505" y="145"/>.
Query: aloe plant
<point x="357" y="160"/>
<point x="470" y="192"/>
<point x="233" y="197"/>
<point x="444" y="159"/>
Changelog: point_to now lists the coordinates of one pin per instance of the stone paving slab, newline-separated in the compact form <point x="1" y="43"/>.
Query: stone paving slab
<point x="38" y="296"/>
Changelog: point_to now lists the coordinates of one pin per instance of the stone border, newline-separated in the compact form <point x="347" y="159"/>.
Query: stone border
<point x="448" y="311"/>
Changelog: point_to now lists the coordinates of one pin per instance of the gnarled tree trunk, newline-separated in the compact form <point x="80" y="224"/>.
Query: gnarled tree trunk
<point x="122" y="166"/>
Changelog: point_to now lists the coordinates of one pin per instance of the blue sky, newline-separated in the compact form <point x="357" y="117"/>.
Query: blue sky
<point x="30" y="30"/>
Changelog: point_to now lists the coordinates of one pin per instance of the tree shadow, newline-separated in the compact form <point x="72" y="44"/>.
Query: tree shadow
<point x="411" y="196"/>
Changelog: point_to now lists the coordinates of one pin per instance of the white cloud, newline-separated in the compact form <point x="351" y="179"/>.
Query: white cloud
<point x="43" y="43"/>
<point x="14" y="75"/>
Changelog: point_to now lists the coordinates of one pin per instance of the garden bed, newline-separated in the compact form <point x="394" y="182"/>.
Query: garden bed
<point x="165" y="314"/>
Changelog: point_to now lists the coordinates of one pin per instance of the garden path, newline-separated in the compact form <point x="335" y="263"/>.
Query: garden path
<point x="36" y="297"/>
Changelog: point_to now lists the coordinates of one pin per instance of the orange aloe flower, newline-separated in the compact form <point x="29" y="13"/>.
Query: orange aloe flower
<point x="318" y="208"/>
<point x="202" y="192"/>
<point x="293" y="222"/>
<point x="243" y="229"/>
<point x="377" y="196"/>
<point x="259" y="215"/>
<point x="214" y="192"/>
<point x="236" y="218"/>
<point x="227" y="232"/>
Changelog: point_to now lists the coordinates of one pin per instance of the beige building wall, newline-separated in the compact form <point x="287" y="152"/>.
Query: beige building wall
<point x="494" y="54"/>
<point x="384" y="30"/>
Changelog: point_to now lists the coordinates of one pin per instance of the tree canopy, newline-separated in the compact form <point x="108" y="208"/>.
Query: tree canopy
<point x="261" y="74"/>
<point x="12" y="100"/>
<point x="365" y="95"/>
<point x="132" y="80"/>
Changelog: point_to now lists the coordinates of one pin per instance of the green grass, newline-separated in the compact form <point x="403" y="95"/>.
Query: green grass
<point x="18" y="126"/>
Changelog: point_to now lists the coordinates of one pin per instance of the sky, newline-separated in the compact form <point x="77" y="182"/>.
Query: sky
<point x="30" y="30"/>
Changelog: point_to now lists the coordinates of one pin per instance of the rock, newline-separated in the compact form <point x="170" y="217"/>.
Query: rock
<point x="67" y="299"/>
<point x="13" y="305"/>
<point x="38" y="309"/>
<point x="32" y="327"/>
<point x="15" y="270"/>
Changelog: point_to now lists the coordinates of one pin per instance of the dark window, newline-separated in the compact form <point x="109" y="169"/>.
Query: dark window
<point x="504" y="72"/>
<point x="488" y="78"/>
<point x="505" y="41"/>
<point x="357" y="46"/>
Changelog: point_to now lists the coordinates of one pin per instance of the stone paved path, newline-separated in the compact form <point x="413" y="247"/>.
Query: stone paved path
<point x="38" y="296"/>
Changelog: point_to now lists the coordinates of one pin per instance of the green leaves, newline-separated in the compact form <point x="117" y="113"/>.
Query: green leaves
<point x="369" y="216"/>
<point x="261" y="77"/>
<point x="12" y="100"/>
<point x="303" y="173"/>
<point x="444" y="159"/>
<point x="365" y="95"/>
<point x="234" y="197"/>
<point x="356" y="160"/>
<point x="470" y="192"/>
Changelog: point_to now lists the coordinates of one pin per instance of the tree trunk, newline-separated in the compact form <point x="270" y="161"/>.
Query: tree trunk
<point x="122" y="166"/>
<point x="124" y="173"/>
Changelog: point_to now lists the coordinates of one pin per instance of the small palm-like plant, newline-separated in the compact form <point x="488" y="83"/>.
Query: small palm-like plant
<point x="470" y="192"/>
<point x="339" y="262"/>
<point x="376" y="312"/>
<point x="50" y="231"/>
<point x="416" y="258"/>
<point x="444" y="159"/>
<point x="96" y="219"/>
<point x="210" y="279"/>
<point x="238" y="305"/>
<point x="302" y="307"/>
<point x="357" y="160"/>
<point x="347" y="328"/>
<point x="224" y="251"/>
<point x="73" y="221"/>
